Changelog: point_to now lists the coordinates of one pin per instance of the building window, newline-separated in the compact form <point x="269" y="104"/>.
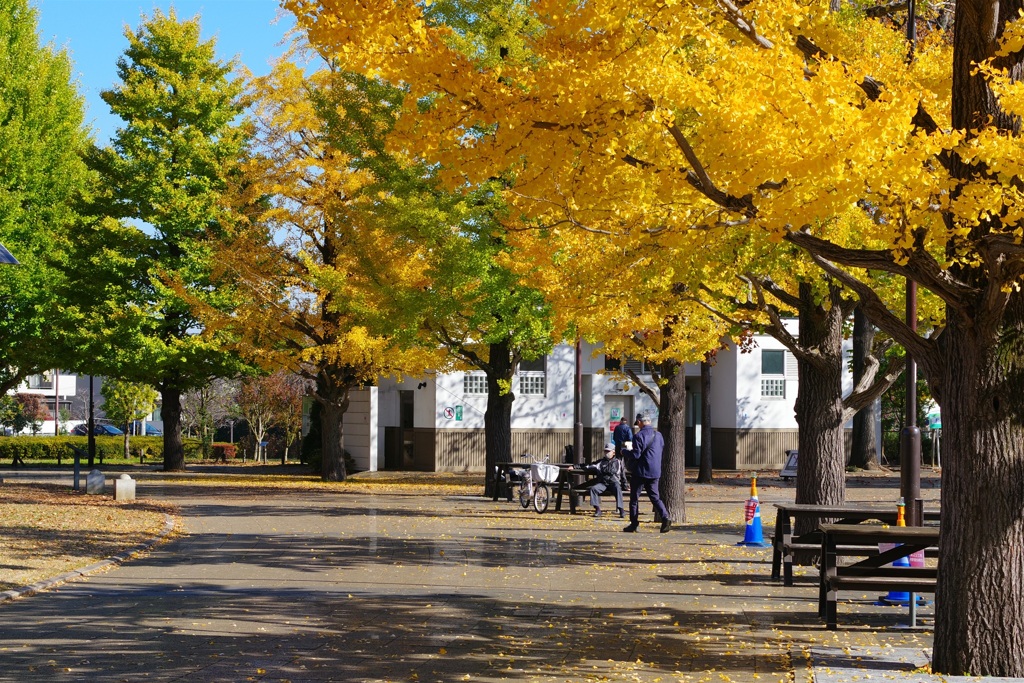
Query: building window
<point x="773" y="374"/>
<point x="43" y="381"/>
<point x="773" y="388"/>
<point x="533" y="377"/>
<point x="474" y="383"/>
<point x="640" y="367"/>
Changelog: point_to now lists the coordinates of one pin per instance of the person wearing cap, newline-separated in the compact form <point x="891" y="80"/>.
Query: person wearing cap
<point x="645" y="458"/>
<point x="623" y="433"/>
<point x="611" y="475"/>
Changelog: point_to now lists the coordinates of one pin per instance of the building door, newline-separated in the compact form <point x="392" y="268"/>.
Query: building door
<point x="616" y="408"/>
<point x="405" y="421"/>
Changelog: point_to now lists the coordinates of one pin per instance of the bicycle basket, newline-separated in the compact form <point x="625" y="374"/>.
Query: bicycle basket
<point x="544" y="472"/>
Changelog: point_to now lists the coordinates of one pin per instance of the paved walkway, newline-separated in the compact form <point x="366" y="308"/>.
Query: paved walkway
<point x="322" y="586"/>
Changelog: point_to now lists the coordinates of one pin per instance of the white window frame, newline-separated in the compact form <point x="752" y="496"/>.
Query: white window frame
<point x="474" y="384"/>
<point x="773" y="388"/>
<point x="534" y="382"/>
<point x="773" y="385"/>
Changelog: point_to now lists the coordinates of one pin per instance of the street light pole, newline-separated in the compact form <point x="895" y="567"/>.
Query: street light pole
<point x="56" y="402"/>
<point x="92" y="424"/>
<point x="910" y="437"/>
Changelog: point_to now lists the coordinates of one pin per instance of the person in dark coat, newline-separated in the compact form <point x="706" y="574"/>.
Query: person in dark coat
<point x="645" y="472"/>
<point x="623" y="433"/>
<point x="611" y="476"/>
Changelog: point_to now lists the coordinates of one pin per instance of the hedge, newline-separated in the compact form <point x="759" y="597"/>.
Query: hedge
<point x="107" y="447"/>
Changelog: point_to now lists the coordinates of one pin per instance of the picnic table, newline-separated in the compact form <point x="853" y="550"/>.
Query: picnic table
<point x="581" y="488"/>
<point x="784" y="543"/>
<point x="564" y="487"/>
<point x="873" y="572"/>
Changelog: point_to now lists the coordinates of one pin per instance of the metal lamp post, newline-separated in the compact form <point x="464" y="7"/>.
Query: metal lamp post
<point x="910" y="436"/>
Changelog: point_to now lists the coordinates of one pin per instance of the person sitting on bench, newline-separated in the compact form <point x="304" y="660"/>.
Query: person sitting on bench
<point x="611" y="475"/>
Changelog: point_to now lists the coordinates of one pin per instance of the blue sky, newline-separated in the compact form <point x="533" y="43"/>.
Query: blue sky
<point x="93" y="32"/>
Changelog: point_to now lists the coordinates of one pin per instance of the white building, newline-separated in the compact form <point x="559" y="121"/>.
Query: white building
<point x="436" y="423"/>
<point x="57" y="391"/>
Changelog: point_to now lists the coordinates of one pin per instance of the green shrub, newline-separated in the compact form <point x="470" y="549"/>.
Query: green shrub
<point x="109" y="449"/>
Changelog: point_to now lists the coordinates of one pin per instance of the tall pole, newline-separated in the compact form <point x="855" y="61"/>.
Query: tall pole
<point x="92" y="425"/>
<point x="577" y="432"/>
<point x="56" y="402"/>
<point x="910" y="437"/>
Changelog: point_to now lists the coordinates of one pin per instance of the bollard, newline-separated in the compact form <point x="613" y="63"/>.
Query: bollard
<point x="124" y="488"/>
<point x="95" y="483"/>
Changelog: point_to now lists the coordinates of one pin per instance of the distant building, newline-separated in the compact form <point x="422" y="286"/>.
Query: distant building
<point x="436" y="422"/>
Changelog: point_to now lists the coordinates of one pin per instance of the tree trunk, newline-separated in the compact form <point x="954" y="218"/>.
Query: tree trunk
<point x="821" y="469"/>
<point x="127" y="448"/>
<point x="672" y="425"/>
<point x="332" y="467"/>
<point x="705" y="474"/>
<point x="170" y="411"/>
<point x="498" y="415"/>
<point x="979" y="602"/>
<point x="332" y="395"/>
<point x="865" y="451"/>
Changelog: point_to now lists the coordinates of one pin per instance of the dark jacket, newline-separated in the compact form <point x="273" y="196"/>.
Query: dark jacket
<point x="609" y="471"/>
<point x="622" y="434"/>
<point x="645" y="457"/>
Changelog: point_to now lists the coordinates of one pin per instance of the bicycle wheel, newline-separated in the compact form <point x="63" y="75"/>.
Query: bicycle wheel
<point x="524" y="495"/>
<point x="541" y="497"/>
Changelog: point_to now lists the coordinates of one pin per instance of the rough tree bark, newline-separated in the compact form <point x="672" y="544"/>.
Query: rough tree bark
<point x="865" y="450"/>
<point x="170" y="411"/>
<point x="979" y="613"/>
<point x="333" y="398"/>
<point x="705" y="476"/>
<point x="821" y="469"/>
<point x="672" y="425"/>
<point x="501" y="365"/>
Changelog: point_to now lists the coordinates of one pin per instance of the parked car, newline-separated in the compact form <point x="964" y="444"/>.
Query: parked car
<point x="153" y="431"/>
<point x="98" y="430"/>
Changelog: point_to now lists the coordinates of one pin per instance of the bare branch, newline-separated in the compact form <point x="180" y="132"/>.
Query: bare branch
<point x="773" y="289"/>
<point x="870" y="386"/>
<point x="701" y="181"/>
<point x="920" y="267"/>
<point x="885" y="10"/>
<point x="745" y="26"/>
<point x="924" y="351"/>
<point x="644" y="387"/>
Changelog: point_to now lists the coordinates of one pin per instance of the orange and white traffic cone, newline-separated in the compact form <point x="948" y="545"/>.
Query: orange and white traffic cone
<point x="897" y="597"/>
<point x="753" y="537"/>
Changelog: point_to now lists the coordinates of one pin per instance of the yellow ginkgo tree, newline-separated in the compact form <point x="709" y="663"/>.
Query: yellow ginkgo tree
<point x="318" y="273"/>
<point x="774" y="119"/>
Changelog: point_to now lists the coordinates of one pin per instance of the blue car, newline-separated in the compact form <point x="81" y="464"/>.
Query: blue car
<point x="153" y="431"/>
<point x="97" y="430"/>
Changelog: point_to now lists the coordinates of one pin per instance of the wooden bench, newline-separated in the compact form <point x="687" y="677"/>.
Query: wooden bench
<point x="874" y="572"/>
<point x="784" y="543"/>
<point x="584" y="489"/>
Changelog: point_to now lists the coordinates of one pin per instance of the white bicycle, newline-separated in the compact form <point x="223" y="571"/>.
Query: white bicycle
<point x="533" y="485"/>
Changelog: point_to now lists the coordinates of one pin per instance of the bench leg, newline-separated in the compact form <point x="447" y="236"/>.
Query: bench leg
<point x="831" y="598"/>
<point x="787" y="569"/>
<point x="776" y="559"/>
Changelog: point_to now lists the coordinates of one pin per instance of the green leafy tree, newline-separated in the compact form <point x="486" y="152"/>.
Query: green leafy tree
<point x="323" y="275"/>
<point x="23" y="411"/>
<point x="42" y="173"/>
<point x="124" y="402"/>
<point x="162" y="200"/>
